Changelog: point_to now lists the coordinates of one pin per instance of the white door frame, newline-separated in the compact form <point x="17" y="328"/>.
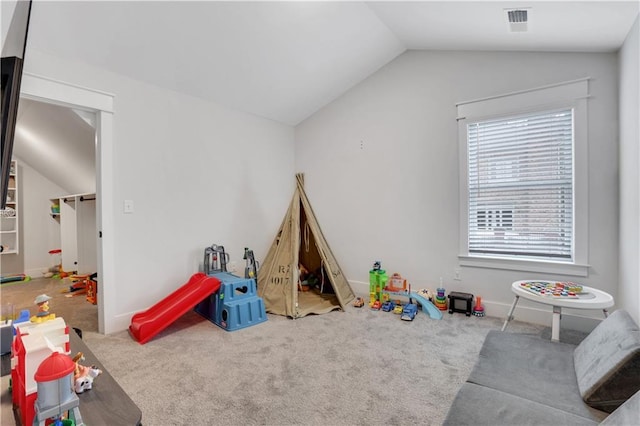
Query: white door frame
<point x="51" y="91"/>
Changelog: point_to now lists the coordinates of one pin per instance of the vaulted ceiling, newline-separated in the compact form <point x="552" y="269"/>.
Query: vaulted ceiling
<point x="286" y="60"/>
<point x="59" y="143"/>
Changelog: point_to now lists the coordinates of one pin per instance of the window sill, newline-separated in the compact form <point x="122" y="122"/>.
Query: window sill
<point x="548" y="267"/>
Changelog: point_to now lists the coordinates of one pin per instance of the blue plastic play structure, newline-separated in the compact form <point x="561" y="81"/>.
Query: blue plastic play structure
<point x="236" y="305"/>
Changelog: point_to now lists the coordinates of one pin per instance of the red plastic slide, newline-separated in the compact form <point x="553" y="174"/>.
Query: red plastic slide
<point x="146" y="324"/>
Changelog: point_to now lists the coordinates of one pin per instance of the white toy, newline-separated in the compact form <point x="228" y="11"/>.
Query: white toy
<point x="83" y="376"/>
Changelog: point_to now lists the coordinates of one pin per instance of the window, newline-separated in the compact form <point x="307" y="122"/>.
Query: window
<point x="519" y="185"/>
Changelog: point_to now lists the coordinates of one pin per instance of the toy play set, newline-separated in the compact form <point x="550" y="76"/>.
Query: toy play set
<point x="228" y="301"/>
<point x="85" y="284"/>
<point x="382" y="287"/>
<point x="236" y="305"/>
<point x="44" y="378"/>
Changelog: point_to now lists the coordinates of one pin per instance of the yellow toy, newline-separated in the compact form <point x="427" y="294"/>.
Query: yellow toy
<point x="43" y="309"/>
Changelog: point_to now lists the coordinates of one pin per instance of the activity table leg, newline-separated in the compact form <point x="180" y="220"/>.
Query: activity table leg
<point x="555" y="324"/>
<point x="510" y="315"/>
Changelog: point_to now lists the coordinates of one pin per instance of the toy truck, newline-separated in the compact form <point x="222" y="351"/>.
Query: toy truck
<point x="409" y="312"/>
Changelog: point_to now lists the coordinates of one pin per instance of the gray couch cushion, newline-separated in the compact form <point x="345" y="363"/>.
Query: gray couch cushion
<point x="625" y="415"/>
<point x="534" y="369"/>
<point x="607" y="362"/>
<point x="477" y="405"/>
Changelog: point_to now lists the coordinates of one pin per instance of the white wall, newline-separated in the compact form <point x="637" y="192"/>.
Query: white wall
<point x="381" y="166"/>
<point x="629" y="292"/>
<point x="39" y="231"/>
<point x="197" y="173"/>
<point x="58" y="143"/>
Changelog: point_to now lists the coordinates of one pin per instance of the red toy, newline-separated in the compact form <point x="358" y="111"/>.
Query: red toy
<point x="146" y="324"/>
<point x="29" y="350"/>
<point x="92" y="291"/>
<point x="478" y="310"/>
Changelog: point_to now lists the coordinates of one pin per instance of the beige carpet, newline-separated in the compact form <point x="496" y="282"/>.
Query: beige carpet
<point x="358" y="367"/>
<point x="343" y="368"/>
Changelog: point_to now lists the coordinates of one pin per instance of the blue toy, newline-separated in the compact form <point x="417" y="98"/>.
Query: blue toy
<point x="409" y="312"/>
<point x="388" y="306"/>
<point x="236" y="305"/>
<point x="428" y="307"/>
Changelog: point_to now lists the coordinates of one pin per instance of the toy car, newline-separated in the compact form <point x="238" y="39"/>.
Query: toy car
<point x="359" y="302"/>
<point x="398" y="309"/>
<point x="376" y="305"/>
<point x="388" y="306"/>
<point x="409" y="312"/>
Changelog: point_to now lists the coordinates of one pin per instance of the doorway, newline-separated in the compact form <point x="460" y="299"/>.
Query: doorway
<point x="99" y="104"/>
<point x="55" y="149"/>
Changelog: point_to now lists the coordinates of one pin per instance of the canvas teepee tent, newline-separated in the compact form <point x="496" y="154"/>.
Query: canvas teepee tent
<point x="299" y="241"/>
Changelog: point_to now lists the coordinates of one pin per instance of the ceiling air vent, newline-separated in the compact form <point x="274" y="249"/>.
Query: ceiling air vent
<point x="518" y="20"/>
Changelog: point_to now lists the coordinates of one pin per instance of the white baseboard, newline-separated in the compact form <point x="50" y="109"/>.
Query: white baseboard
<point x="360" y="288"/>
<point x="36" y="272"/>
<point x="121" y="322"/>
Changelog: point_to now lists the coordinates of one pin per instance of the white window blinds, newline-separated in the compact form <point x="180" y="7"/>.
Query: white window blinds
<point x="520" y="183"/>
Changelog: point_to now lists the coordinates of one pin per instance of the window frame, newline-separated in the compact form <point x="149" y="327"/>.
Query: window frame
<point x="572" y="94"/>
